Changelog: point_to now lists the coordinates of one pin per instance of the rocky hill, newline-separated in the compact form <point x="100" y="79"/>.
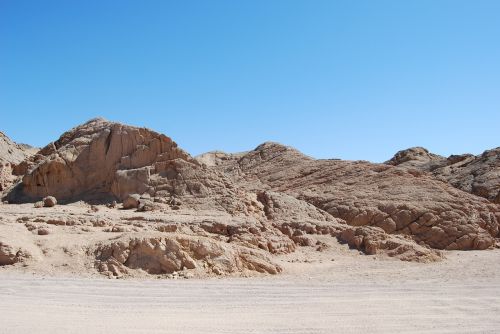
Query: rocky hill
<point x="397" y="200"/>
<point x="478" y="175"/>
<point x="222" y="213"/>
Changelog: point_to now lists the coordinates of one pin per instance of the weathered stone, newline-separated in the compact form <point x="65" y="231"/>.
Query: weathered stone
<point x="43" y="231"/>
<point x="365" y="194"/>
<point x="131" y="201"/>
<point x="479" y="175"/>
<point x="49" y="201"/>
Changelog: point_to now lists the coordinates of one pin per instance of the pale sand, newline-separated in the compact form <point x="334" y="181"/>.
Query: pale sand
<point x="353" y="294"/>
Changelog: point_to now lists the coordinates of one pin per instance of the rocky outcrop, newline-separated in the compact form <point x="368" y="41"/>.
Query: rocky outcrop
<point x="6" y="177"/>
<point x="478" y="175"/>
<point x="225" y="214"/>
<point x="10" y="254"/>
<point x="11" y="154"/>
<point x="416" y="157"/>
<point x="397" y="200"/>
<point x="86" y="161"/>
<point x="302" y="222"/>
<point x="170" y="254"/>
<point x="103" y="161"/>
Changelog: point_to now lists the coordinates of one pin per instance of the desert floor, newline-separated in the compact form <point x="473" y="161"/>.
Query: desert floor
<point x="343" y="292"/>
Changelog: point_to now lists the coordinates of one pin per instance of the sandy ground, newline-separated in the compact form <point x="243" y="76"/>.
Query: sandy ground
<point x="352" y="294"/>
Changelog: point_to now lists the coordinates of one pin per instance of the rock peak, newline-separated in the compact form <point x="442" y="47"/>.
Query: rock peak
<point x="96" y="120"/>
<point x="88" y="159"/>
<point x="413" y="155"/>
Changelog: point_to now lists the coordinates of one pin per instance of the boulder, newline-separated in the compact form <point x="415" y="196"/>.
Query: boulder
<point x="43" y="231"/>
<point x="49" y="201"/>
<point x="131" y="201"/>
<point x="146" y="205"/>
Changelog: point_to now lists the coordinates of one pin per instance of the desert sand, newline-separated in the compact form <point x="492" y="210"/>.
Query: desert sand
<point x="352" y="294"/>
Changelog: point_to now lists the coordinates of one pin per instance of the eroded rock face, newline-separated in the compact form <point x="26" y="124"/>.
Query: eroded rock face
<point x="11" y="154"/>
<point x="84" y="161"/>
<point x="102" y="161"/>
<point x="478" y="175"/>
<point x="397" y="200"/>
<point x="166" y="255"/>
<point x="416" y="157"/>
<point x="302" y="222"/>
<point x="11" y="254"/>
<point x="6" y="177"/>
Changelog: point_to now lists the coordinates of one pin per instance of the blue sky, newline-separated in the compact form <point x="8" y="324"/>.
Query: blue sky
<point x="344" y="79"/>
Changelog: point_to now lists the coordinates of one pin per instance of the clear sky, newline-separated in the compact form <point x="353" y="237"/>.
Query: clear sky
<point x="346" y="79"/>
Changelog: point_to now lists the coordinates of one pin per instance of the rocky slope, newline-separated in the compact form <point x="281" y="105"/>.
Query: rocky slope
<point x="479" y="175"/>
<point x="100" y="161"/>
<point x="397" y="200"/>
<point x="11" y="154"/>
<point x="225" y="214"/>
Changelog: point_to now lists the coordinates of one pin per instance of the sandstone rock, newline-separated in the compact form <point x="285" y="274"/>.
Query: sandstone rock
<point x="102" y="160"/>
<point x="49" y="201"/>
<point x="373" y="240"/>
<point x="146" y="205"/>
<point x="84" y="161"/>
<point x="10" y="254"/>
<point x="269" y="201"/>
<point x="479" y="175"/>
<point x="365" y="194"/>
<point x="43" y="231"/>
<point x="11" y="154"/>
<point x="416" y="157"/>
<point x="167" y="255"/>
<point x="38" y="204"/>
<point x="131" y="201"/>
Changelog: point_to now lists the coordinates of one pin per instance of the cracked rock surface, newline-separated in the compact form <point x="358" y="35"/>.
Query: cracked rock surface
<point x="397" y="200"/>
<point x="478" y="175"/>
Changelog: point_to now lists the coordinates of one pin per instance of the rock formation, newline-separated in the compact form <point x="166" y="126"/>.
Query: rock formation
<point x="478" y="175"/>
<point x="11" y="154"/>
<point x="94" y="158"/>
<point x="225" y="214"/>
<point x="397" y="200"/>
<point x="102" y="161"/>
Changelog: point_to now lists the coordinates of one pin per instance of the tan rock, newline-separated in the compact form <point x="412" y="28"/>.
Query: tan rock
<point x="234" y="214"/>
<point x="11" y="154"/>
<point x="85" y="161"/>
<point x="49" y="201"/>
<point x="397" y="200"/>
<point x="10" y="254"/>
<point x="131" y="201"/>
<point x="479" y="175"/>
<point x="43" y="231"/>
<point x="167" y="255"/>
